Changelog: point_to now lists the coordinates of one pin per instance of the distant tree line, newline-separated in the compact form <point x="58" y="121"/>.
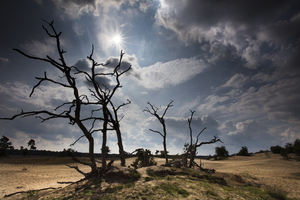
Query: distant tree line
<point x="6" y="145"/>
<point x="221" y="152"/>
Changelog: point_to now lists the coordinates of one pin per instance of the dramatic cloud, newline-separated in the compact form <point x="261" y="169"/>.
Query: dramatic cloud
<point x="171" y="73"/>
<point x="236" y="81"/>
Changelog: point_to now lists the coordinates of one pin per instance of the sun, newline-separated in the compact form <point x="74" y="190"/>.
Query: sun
<point x="117" y="40"/>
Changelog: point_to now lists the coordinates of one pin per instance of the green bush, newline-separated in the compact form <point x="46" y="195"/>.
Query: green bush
<point x="69" y="152"/>
<point x="289" y="148"/>
<point x="297" y="147"/>
<point x="221" y="151"/>
<point x="145" y="158"/>
<point x="276" y="149"/>
<point x="243" y="152"/>
<point x="25" y="152"/>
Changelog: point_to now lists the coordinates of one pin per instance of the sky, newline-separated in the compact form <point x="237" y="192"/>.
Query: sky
<point x="235" y="63"/>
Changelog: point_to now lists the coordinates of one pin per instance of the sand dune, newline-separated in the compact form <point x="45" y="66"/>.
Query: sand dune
<point x="22" y="174"/>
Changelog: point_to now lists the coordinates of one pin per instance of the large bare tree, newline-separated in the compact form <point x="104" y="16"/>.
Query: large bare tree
<point x="153" y="112"/>
<point x="104" y="96"/>
<point x="192" y="149"/>
<point x="73" y="110"/>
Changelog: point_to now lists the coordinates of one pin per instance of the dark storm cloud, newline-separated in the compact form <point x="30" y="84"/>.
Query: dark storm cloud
<point x="234" y="26"/>
<point x="183" y="16"/>
<point x="83" y="65"/>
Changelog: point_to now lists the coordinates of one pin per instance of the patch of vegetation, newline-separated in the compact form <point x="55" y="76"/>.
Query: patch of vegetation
<point x="277" y="193"/>
<point x="88" y="193"/>
<point x="211" y="193"/>
<point x="114" y="189"/>
<point x="221" y="151"/>
<point x="148" y="179"/>
<point x="144" y="158"/>
<point x="134" y="176"/>
<point x="173" y="189"/>
<point x="243" y="152"/>
<point x="31" y="193"/>
<point x="276" y="149"/>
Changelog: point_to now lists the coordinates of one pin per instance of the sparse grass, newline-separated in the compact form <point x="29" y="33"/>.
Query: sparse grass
<point x="148" y="179"/>
<point x="173" y="189"/>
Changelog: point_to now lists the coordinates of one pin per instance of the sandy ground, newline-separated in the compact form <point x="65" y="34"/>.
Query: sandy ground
<point x="272" y="171"/>
<point x="23" y="177"/>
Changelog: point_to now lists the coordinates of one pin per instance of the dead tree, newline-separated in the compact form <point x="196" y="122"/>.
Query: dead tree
<point x="104" y="96"/>
<point x="193" y="147"/>
<point x="116" y="126"/>
<point x="162" y="121"/>
<point x="72" y="110"/>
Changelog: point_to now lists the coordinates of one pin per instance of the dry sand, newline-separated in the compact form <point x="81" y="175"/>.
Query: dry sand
<point x="42" y="173"/>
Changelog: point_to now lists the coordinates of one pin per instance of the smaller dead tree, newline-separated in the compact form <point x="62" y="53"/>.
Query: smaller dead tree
<point x="162" y="121"/>
<point x="193" y="147"/>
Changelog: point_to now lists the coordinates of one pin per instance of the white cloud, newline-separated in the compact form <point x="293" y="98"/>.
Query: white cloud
<point x="236" y="81"/>
<point x="210" y="104"/>
<point x="248" y="128"/>
<point x="291" y="134"/>
<point x="161" y="75"/>
<point x="78" y="28"/>
<point x="41" y="49"/>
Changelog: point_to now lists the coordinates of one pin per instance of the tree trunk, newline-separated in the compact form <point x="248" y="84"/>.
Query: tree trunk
<point x="91" y="147"/>
<point x="103" y="156"/>
<point x="104" y="136"/>
<point x="165" y="149"/>
<point x="91" y="154"/>
<point x="120" y="144"/>
<point x="192" y="158"/>
<point x="164" y="142"/>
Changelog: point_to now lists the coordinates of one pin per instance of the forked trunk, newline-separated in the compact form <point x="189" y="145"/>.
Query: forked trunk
<point x="120" y="144"/>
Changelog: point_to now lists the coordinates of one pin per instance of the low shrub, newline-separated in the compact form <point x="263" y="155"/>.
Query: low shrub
<point x="221" y="151"/>
<point x="276" y="149"/>
<point x="243" y="152"/>
<point x="296" y="147"/>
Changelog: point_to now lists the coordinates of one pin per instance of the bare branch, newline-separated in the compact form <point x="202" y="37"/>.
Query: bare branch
<point x="201" y="132"/>
<point x="77" y="169"/>
<point x="124" y="104"/>
<point x="37" y="58"/>
<point x="63" y="105"/>
<point x="47" y="79"/>
<point x="169" y="105"/>
<point x="32" y="113"/>
<point x="77" y="140"/>
<point x="210" y="142"/>
<point x="156" y="132"/>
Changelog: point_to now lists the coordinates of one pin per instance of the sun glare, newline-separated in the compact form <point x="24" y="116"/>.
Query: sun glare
<point x="117" y="39"/>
